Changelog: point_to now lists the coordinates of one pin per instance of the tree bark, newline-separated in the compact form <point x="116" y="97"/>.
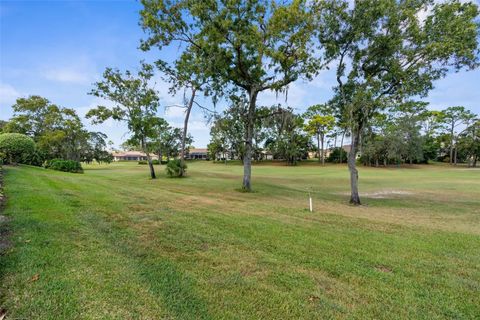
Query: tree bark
<point x="322" y="153"/>
<point x="318" y="147"/>
<point x="352" y="155"/>
<point x="341" y="147"/>
<point x="451" y="143"/>
<point x="149" y="160"/>
<point x="247" y="161"/>
<point x="455" y="156"/>
<point x="185" y="128"/>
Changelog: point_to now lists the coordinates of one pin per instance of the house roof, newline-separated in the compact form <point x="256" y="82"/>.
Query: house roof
<point x="129" y="154"/>
<point x="198" y="150"/>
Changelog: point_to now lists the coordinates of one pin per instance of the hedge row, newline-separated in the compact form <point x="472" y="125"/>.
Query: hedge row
<point x="153" y="162"/>
<point x="64" y="165"/>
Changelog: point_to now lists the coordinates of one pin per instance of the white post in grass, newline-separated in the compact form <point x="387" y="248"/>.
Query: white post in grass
<point x="310" y="201"/>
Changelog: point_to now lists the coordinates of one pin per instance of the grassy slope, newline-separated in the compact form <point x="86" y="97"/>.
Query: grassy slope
<point x="112" y="244"/>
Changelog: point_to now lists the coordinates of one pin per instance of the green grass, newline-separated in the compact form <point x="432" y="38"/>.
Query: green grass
<point x="113" y="244"/>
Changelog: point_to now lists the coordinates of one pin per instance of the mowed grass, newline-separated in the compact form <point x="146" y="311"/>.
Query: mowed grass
<point x="113" y="244"/>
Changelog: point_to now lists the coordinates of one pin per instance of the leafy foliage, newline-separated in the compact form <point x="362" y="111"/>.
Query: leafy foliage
<point x="58" y="132"/>
<point x="135" y="103"/>
<point x="16" y="148"/>
<point x="64" y="165"/>
<point x="176" y="168"/>
<point x="146" y="162"/>
<point x="384" y="53"/>
<point x="337" y="155"/>
<point x="245" y="47"/>
<point x="320" y="122"/>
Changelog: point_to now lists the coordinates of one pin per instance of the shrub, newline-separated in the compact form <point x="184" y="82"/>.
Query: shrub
<point x="146" y="162"/>
<point x="175" y="168"/>
<point x="337" y="154"/>
<point x="34" y="159"/>
<point x="64" y="165"/>
<point x="16" y="148"/>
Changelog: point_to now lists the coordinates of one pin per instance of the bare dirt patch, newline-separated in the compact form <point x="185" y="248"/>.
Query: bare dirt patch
<point x="383" y="269"/>
<point x="382" y="194"/>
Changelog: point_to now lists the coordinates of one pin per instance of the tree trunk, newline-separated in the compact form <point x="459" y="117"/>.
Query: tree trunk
<point x="455" y="156"/>
<point x="160" y="157"/>
<point x="352" y="155"/>
<point x="341" y="146"/>
<point x="149" y="160"/>
<point x="451" y="143"/>
<point x="247" y="160"/>
<point x="318" y="147"/>
<point x="322" y="154"/>
<point x="185" y="128"/>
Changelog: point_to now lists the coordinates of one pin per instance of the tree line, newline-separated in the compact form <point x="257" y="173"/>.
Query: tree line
<point x="56" y="133"/>
<point x="383" y="53"/>
<point x="406" y="133"/>
<point x="41" y="131"/>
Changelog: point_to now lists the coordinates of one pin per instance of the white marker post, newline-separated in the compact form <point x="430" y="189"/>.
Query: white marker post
<point x="310" y="201"/>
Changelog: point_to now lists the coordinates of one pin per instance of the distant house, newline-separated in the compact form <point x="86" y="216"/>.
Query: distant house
<point x="267" y="155"/>
<point x="196" y="153"/>
<point x="314" y="154"/>
<point x="131" y="156"/>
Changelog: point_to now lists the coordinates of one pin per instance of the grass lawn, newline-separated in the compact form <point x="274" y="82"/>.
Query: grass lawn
<point x="113" y="244"/>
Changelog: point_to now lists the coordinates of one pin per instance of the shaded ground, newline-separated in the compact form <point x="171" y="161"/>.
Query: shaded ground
<point x="113" y="244"/>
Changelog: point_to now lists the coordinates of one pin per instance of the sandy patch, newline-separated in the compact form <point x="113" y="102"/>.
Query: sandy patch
<point x="382" y="194"/>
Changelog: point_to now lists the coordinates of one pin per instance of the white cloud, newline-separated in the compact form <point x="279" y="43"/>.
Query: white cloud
<point x="8" y="94"/>
<point x="77" y="69"/>
<point x="174" y="112"/>
<point x="67" y="75"/>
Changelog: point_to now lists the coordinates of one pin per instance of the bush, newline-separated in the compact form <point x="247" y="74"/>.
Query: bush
<point x="64" y="165"/>
<point x="337" y="154"/>
<point x="146" y="162"/>
<point x="175" y="168"/>
<point x="16" y="148"/>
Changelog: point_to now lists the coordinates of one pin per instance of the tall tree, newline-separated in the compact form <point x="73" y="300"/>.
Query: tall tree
<point x="58" y="132"/>
<point x="320" y="123"/>
<point x="469" y="143"/>
<point x="184" y="74"/>
<point x="454" y="118"/>
<point x="251" y="46"/>
<point x="383" y="52"/>
<point x="135" y="103"/>
<point x="286" y="137"/>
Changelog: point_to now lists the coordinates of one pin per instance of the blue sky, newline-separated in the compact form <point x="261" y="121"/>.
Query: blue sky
<point x="57" y="49"/>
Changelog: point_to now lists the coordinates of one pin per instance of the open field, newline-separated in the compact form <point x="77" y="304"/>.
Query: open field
<point x="112" y="244"/>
